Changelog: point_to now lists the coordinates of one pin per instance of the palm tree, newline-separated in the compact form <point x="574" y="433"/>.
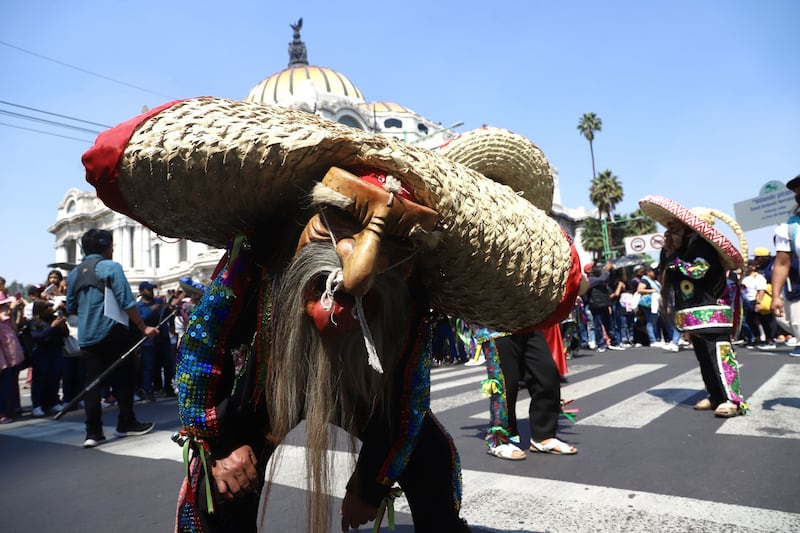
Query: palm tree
<point x="592" y="237"/>
<point x="588" y="125"/>
<point x="639" y="224"/>
<point x="606" y="192"/>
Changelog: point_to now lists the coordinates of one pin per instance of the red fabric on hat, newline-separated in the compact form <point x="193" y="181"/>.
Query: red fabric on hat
<point x="571" y="289"/>
<point x="378" y="178"/>
<point x="102" y="160"/>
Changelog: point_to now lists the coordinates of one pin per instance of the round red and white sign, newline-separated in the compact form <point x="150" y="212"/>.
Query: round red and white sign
<point x="657" y="241"/>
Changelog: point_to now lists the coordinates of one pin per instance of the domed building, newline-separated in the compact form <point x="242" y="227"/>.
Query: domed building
<point x="330" y="94"/>
<point x="319" y="90"/>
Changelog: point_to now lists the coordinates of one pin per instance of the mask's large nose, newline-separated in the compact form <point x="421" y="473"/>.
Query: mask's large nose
<point x="360" y="257"/>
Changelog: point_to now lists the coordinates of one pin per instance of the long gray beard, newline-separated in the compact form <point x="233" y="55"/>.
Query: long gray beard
<point x="327" y="380"/>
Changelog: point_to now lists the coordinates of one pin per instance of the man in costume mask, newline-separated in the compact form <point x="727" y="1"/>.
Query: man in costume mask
<point x="340" y="243"/>
<point x="694" y="263"/>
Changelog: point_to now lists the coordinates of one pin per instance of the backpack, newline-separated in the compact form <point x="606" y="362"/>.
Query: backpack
<point x="87" y="277"/>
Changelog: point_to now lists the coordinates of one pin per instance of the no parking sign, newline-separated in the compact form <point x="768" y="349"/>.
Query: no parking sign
<point x="652" y="242"/>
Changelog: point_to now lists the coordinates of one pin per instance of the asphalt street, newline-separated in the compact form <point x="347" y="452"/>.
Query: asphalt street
<point x="647" y="461"/>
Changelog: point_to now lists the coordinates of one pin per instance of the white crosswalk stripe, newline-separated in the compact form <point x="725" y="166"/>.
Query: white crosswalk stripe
<point x="472" y="374"/>
<point x="641" y="409"/>
<point x="576" y="390"/>
<point x="774" y="404"/>
<point x="445" y="403"/>
<point x="559" y="505"/>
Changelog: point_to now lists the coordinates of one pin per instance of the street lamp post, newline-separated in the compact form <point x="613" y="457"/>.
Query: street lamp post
<point x="606" y="244"/>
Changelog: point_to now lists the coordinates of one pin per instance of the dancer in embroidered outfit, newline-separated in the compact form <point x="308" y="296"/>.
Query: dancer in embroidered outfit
<point x="340" y="243"/>
<point x="694" y="261"/>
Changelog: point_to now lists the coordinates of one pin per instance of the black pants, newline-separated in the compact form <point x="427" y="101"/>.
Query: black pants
<point x="527" y="357"/>
<point x="428" y="481"/>
<point x="98" y="358"/>
<point x="754" y="319"/>
<point x="705" y="349"/>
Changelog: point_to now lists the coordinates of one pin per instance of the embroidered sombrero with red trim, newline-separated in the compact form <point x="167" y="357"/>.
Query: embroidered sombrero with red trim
<point x="664" y="210"/>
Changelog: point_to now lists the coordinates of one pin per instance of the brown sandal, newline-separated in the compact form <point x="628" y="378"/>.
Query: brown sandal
<point x="704" y="405"/>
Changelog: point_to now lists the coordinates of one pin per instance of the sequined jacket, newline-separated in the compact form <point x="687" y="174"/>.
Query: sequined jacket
<point x="694" y="280"/>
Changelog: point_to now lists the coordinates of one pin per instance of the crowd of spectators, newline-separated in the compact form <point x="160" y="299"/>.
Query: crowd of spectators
<point x="33" y="329"/>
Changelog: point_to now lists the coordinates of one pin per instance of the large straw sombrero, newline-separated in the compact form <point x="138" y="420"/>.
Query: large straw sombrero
<point x="508" y="158"/>
<point x="700" y="219"/>
<point x="207" y="169"/>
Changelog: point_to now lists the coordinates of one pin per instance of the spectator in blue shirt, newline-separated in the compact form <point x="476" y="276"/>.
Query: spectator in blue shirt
<point x="156" y="353"/>
<point x="103" y="338"/>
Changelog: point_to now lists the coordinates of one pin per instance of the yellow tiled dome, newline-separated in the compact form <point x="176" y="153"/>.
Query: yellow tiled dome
<point x="383" y="107"/>
<point x="283" y="85"/>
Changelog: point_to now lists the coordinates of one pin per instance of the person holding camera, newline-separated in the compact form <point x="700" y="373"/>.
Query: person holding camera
<point x="48" y="330"/>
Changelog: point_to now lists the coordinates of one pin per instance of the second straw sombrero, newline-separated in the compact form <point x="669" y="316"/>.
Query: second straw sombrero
<point x="663" y="210"/>
<point x="207" y="169"/>
<point x="508" y="158"/>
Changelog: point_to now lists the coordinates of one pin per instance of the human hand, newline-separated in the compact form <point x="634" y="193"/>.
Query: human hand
<point x="777" y="305"/>
<point x="236" y="474"/>
<point x="150" y="332"/>
<point x="356" y="512"/>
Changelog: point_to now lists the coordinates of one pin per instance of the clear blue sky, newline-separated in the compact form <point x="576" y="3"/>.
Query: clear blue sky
<point x="700" y="101"/>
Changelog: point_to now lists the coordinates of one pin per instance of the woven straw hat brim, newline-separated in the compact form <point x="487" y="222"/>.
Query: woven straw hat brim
<point x="508" y="158"/>
<point x="207" y="169"/>
<point x="664" y="210"/>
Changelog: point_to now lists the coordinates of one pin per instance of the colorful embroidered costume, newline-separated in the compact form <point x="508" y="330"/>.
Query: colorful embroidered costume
<point x="219" y="395"/>
<point x="705" y="308"/>
<point x="694" y="261"/>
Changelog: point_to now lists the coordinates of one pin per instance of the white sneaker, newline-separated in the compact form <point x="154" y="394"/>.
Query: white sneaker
<point x="480" y="361"/>
<point x="616" y="348"/>
<point x="657" y="344"/>
<point x="670" y="347"/>
<point x="38" y="411"/>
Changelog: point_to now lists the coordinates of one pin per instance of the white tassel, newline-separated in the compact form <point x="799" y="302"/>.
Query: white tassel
<point x="332" y="284"/>
<point x="372" y="354"/>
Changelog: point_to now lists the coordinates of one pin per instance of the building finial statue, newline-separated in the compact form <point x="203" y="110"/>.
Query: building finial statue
<point x="297" y="48"/>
